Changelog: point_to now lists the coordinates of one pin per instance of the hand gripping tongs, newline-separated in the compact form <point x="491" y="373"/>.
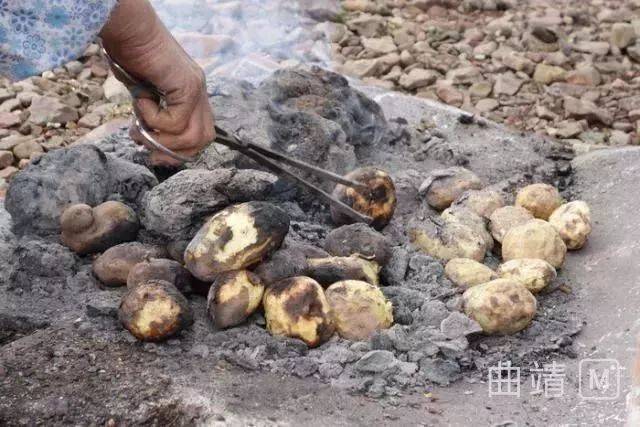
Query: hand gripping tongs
<point x="258" y="153"/>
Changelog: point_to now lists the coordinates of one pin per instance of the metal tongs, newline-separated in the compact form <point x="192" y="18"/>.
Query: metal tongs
<point x="262" y="155"/>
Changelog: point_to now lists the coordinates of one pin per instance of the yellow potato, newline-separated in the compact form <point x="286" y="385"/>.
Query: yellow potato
<point x="359" y="309"/>
<point x="330" y="270"/>
<point x="539" y="199"/>
<point x="534" y="274"/>
<point x="483" y="202"/>
<point x="573" y="222"/>
<point x="505" y="218"/>
<point x="535" y="239"/>
<point x="297" y="308"/>
<point x="502" y="306"/>
<point x="447" y="240"/>
<point x="466" y="272"/>
<point x="466" y="216"/>
<point x="234" y="296"/>
<point x="443" y="186"/>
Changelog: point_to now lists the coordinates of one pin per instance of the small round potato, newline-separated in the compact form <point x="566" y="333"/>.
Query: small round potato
<point x="88" y="230"/>
<point x="539" y="199"/>
<point x="236" y="238"/>
<point x="447" y="240"/>
<point x="466" y="216"/>
<point x="534" y="274"/>
<point x="443" y="186"/>
<point x="297" y="308"/>
<point x="483" y="202"/>
<point x="113" y="267"/>
<point x="234" y="296"/>
<point x="467" y="272"/>
<point x="160" y="269"/>
<point x="573" y="222"/>
<point x="502" y="306"/>
<point x="358" y="239"/>
<point x="378" y="201"/>
<point x="505" y="218"/>
<point x="328" y="271"/>
<point x="359" y="309"/>
<point x="535" y="239"/>
<point x="154" y="311"/>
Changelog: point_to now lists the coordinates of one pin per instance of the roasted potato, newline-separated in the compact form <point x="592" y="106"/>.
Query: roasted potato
<point x="164" y="269"/>
<point x="466" y="272"/>
<point x="535" y="239"/>
<point x="358" y="239"/>
<point x="502" y="306"/>
<point x="297" y="308"/>
<point x="328" y="271"/>
<point x="88" y="230"/>
<point x="539" y="199"/>
<point x="236" y="238"/>
<point x="154" y="311"/>
<point x="534" y="274"/>
<point x="573" y="222"/>
<point x="359" y="309"/>
<point x="378" y="202"/>
<point x="505" y="218"/>
<point x="447" y="240"/>
<point x="113" y="266"/>
<point x="466" y="216"/>
<point x="234" y="296"/>
<point x="483" y="202"/>
<point x="443" y="186"/>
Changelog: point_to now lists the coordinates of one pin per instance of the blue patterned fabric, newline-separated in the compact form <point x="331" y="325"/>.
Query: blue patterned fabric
<point x="37" y="35"/>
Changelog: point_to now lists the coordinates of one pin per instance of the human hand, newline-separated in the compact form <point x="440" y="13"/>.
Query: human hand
<point x="136" y="39"/>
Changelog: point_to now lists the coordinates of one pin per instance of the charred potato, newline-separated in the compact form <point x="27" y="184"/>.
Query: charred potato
<point x="505" y="218"/>
<point x="359" y="309"/>
<point x="447" y="240"/>
<point x="466" y="216"/>
<point x="573" y="222"/>
<point x="483" y="202"/>
<point x="154" y="311"/>
<point x="284" y="263"/>
<point x="378" y="201"/>
<point x="234" y="296"/>
<point x="88" y="230"/>
<point x="502" y="306"/>
<point x="328" y="271"/>
<point x="535" y="239"/>
<point x="236" y="238"/>
<point x="297" y="308"/>
<point x="167" y="270"/>
<point x="358" y="239"/>
<point x="113" y="267"/>
<point x="467" y="272"/>
<point x="534" y="274"/>
<point x="539" y="199"/>
<point x="443" y="186"/>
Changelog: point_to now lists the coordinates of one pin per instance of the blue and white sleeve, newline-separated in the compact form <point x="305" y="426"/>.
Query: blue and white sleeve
<point x="37" y="35"/>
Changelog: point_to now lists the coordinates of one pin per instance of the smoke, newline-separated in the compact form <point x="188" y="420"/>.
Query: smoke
<point x="245" y="39"/>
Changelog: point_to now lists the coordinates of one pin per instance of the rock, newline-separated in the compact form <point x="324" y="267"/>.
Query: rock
<point x="634" y="53"/>
<point x="8" y="172"/>
<point x="507" y="84"/>
<point x="358" y="239"/>
<point x="464" y="75"/>
<point x="46" y="109"/>
<point x="8" y="120"/>
<point x="485" y="49"/>
<point x="26" y="149"/>
<point x="395" y="270"/>
<point x="622" y="34"/>
<point x="10" y="105"/>
<point x="6" y="159"/>
<point x="544" y="34"/>
<point x="458" y="325"/>
<point x="90" y="121"/>
<point x="441" y="372"/>
<point x="377" y="361"/>
<point x="566" y="129"/>
<point x="74" y="67"/>
<point x="449" y="94"/>
<point x="619" y="138"/>
<point x="367" y="25"/>
<point x="480" y="89"/>
<point x="417" y="78"/>
<point x="547" y="74"/>
<point x="379" y="46"/>
<point x="486" y="105"/>
<point x="362" y="67"/>
<point x="595" y="48"/>
<point x="115" y="91"/>
<point x="585" y="76"/>
<point x="518" y="63"/>
<point x="582" y="109"/>
<point x="433" y="313"/>
<point x="443" y="186"/>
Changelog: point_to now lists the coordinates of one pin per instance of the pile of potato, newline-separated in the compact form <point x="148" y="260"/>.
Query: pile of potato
<point x="533" y="237"/>
<point x="232" y="260"/>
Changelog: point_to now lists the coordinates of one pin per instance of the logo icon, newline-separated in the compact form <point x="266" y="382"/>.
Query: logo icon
<point x="504" y="380"/>
<point x="599" y="379"/>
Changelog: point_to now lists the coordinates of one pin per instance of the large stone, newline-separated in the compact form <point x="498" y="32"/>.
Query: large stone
<point x="46" y="109"/>
<point x="115" y="91"/>
<point x="377" y="361"/>
<point x="622" y="34"/>
<point x="379" y="46"/>
<point x="547" y="74"/>
<point x="8" y="120"/>
<point x="586" y="75"/>
<point x="596" y="48"/>
<point x="507" y="84"/>
<point x="367" y="25"/>
<point x="417" y="78"/>
<point x="583" y="109"/>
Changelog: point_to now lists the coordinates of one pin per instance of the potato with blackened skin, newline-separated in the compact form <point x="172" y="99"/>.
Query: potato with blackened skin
<point x="573" y="222"/>
<point x="502" y="306"/>
<point x="535" y="239"/>
<point x="88" y="230"/>
<point x="154" y="311"/>
<point x="378" y="201"/>
<point x="233" y="297"/>
<point x="483" y="202"/>
<point x="505" y="218"/>
<point x="447" y="240"/>
<point x="164" y="269"/>
<point x="466" y="273"/>
<point x="443" y="186"/>
<point x="327" y="271"/>
<point x="113" y="267"/>
<point x="466" y="216"/>
<point x="534" y="274"/>
<point x="359" y="309"/>
<point x="297" y="308"/>
<point x="236" y="238"/>
<point x="539" y="199"/>
<point x="358" y="239"/>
